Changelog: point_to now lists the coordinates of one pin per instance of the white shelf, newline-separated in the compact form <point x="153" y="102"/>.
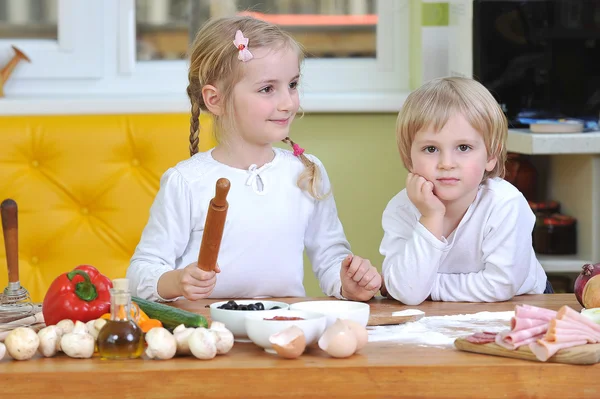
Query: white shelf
<point x="524" y="141"/>
<point x="562" y="263"/>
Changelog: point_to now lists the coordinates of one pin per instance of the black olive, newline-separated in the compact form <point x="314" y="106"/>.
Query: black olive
<point x="275" y="307"/>
<point x="251" y="307"/>
<point x="242" y="307"/>
<point x="259" y="306"/>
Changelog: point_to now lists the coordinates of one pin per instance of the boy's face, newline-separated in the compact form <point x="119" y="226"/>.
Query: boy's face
<point x="453" y="159"/>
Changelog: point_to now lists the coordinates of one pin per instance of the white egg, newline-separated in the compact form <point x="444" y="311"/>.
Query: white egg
<point x="338" y="340"/>
<point x="289" y="343"/>
<point x="360" y="332"/>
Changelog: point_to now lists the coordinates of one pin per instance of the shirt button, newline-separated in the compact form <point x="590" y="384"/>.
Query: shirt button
<point x="35" y="260"/>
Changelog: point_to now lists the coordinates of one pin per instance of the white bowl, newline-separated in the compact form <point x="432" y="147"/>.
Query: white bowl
<point x="234" y="320"/>
<point x="259" y="330"/>
<point x="334" y="309"/>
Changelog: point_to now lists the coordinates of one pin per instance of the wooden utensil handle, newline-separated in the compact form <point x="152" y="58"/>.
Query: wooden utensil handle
<point x="214" y="226"/>
<point x="10" y="228"/>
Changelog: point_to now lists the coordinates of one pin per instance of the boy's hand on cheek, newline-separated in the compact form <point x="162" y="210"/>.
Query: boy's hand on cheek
<point x="360" y="279"/>
<point x="420" y="192"/>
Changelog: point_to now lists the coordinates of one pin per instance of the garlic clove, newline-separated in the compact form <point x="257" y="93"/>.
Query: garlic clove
<point x="289" y="343"/>
<point x="203" y="343"/>
<point x="360" y="332"/>
<point x="22" y="343"/>
<point x="338" y="340"/>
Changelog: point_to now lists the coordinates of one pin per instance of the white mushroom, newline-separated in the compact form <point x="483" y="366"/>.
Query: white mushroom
<point x="78" y="343"/>
<point x="223" y="336"/>
<point x="182" y="335"/>
<point x="22" y="343"/>
<point x="49" y="340"/>
<point x="94" y="326"/>
<point x="203" y="343"/>
<point x="2" y="350"/>
<point x="161" y="343"/>
<point x="66" y="325"/>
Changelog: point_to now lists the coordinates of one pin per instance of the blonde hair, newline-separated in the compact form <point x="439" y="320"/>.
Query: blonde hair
<point x="438" y="100"/>
<point x="213" y="61"/>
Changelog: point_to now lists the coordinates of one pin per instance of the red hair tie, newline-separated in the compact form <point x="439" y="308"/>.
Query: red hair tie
<point x="298" y="150"/>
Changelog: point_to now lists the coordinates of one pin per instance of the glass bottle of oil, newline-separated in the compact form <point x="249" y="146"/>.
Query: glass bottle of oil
<point x="120" y="337"/>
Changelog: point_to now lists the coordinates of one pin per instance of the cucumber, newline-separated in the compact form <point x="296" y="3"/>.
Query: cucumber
<point x="169" y="316"/>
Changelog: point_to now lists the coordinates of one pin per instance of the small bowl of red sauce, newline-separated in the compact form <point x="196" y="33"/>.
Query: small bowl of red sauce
<point x="260" y="327"/>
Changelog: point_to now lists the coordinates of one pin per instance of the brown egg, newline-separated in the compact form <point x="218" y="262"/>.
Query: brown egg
<point x="289" y="343"/>
<point x="360" y="332"/>
<point x="338" y="340"/>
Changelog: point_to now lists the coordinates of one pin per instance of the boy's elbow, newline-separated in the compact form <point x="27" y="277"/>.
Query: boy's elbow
<point x="403" y="294"/>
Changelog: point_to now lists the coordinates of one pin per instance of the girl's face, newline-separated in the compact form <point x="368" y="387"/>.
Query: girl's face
<point x="266" y="100"/>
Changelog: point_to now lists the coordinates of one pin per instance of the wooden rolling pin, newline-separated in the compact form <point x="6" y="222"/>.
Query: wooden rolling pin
<point x="10" y="227"/>
<point x="213" y="227"/>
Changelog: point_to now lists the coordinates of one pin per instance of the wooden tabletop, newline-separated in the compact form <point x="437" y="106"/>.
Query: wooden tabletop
<point x="380" y="370"/>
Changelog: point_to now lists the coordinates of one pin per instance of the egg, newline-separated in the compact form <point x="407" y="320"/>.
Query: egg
<point x="360" y="332"/>
<point x="289" y="343"/>
<point x="338" y="340"/>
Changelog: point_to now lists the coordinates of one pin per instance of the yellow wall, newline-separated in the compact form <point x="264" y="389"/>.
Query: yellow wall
<point x="360" y="154"/>
<point x="84" y="184"/>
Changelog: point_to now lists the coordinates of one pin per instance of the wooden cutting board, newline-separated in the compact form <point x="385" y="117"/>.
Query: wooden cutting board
<point x="584" y="354"/>
<point x="388" y="319"/>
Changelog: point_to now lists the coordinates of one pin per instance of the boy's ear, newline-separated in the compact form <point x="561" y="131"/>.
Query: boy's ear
<point x="212" y="99"/>
<point x="491" y="163"/>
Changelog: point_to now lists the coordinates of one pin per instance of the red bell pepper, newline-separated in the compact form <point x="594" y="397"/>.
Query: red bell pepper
<point x="81" y="294"/>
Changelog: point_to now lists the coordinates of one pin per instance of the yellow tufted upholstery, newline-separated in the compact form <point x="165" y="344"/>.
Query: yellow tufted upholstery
<point x="84" y="185"/>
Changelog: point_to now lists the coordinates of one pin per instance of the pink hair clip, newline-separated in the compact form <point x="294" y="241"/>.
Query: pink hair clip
<point x="241" y="43"/>
<point x="298" y="150"/>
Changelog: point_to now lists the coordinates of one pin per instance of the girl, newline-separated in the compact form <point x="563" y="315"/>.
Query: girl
<point x="458" y="231"/>
<point x="245" y="73"/>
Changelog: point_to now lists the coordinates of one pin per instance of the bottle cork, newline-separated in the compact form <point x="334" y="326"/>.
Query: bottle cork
<point x="121" y="284"/>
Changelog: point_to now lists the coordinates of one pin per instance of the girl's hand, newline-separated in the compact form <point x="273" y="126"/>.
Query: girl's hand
<point x="360" y="279"/>
<point x="195" y="283"/>
<point x="420" y="192"/>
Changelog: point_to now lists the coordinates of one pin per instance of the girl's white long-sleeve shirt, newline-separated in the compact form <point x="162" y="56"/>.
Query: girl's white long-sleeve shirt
<point x="488" y="257"/>
<point x="270" y="222"/>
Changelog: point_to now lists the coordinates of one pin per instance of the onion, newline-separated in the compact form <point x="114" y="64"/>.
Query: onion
<point x="587" y="272"/>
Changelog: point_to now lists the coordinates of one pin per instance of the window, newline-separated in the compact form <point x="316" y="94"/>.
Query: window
<point x="133" y="51"/>
<point x="60" y="37"/>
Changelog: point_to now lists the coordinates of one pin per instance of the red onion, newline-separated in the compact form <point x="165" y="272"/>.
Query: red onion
<point x="587" y="272"/>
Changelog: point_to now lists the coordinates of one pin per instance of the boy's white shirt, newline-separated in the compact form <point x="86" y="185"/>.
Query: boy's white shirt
<point x="488" y="257"/>
<point x="269" y="223"/>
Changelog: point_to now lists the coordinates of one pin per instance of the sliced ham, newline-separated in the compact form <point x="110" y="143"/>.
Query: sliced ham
<point x="500" y="341"/>
<point x="545" y="350"/>
<point x="520" y="323"/>
<point x="533" y="312"/>
<point x="567" y="313"/>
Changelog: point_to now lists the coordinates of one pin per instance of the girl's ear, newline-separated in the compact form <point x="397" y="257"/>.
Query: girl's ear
<point x="212" y="99"/>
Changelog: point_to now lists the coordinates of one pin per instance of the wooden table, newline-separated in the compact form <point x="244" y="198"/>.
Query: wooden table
<point x="381" y="370"/>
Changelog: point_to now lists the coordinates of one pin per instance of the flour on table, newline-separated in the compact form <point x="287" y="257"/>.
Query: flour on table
<point x="408" y="312"/>
<point x="441" y="331"/>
